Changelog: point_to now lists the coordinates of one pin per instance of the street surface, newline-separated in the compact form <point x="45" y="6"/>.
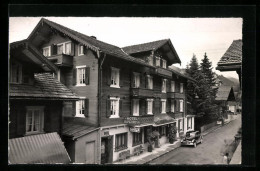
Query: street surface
<point x="209" y="152"/>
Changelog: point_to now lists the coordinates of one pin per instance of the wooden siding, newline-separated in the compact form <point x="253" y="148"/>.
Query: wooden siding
<point x="52" y="116"/>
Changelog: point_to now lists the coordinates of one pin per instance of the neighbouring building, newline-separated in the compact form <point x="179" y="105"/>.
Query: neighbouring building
<point x="123" y="92"/>
<point x="35" y="108"/>
<point x="225" y="98"/>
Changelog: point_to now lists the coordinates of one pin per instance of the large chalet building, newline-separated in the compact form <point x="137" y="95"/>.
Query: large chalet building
<point x="123" y="92"/>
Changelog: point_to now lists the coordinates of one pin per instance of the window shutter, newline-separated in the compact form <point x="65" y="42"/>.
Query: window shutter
<point x="84" y="49"/>
<point x="120" y="78"/>
<point x="131" y="107"/>
<point x="154" y="107"/>
<point x="160" y="108"/>
<point x="87" y="75"/>
<point x="86" y="108"/>
<point x="178" y="105"/>
<point x="168" y="105"/>
<point x="21" y="121"/>
<point x="72" y="49"/>
<point x="74" y="76"/>
<point x="109" y="76"/>
<point x="74" y="110"/>
<point x="108" y="112"/>
<point x="161" y="62"/>
<point x="120" y="108"/>
<point x="132" y="79"/>
<point x="141" y="81"/>
<point x="146" y="82"/>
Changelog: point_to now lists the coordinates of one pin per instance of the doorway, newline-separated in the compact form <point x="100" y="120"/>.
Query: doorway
<point x="107" y="150"/>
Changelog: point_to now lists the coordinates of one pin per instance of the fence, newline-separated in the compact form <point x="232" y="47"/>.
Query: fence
<point x="208" y="126"/>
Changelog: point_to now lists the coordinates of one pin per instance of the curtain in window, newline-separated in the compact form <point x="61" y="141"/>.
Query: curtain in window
<point x="68" y="48"/>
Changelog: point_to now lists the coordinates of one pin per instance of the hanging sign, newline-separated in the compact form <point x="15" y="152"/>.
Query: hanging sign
<point x="133" y="129"/>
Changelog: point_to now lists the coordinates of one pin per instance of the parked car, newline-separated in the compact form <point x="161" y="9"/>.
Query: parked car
<point x="192" y="138"/>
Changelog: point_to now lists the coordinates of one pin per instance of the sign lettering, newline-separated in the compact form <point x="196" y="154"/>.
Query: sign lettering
<point x="133" y="129"/>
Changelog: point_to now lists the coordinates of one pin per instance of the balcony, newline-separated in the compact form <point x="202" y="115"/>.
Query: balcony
<point x="176" y="115"/>
<point x="163" y="72"/>
<point x="62" y="60"/>
<point x="141" y="93"/>
<point x="173" y="95"/>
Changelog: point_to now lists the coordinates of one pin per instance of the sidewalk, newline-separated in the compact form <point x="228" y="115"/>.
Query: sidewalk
<point x="236" y="159"/>
<point x="147" y="157"/>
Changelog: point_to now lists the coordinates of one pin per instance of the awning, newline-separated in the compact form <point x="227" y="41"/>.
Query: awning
<point x="43" y="148"/>
<point x="163" y="119"/>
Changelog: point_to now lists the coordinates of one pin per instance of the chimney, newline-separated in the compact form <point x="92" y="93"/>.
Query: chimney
<point x="93" y="37"/>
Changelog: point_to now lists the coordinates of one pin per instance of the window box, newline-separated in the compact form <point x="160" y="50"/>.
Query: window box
<point x="62" y="60"/>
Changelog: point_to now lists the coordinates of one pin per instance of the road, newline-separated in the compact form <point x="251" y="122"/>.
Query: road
<point x="209" y="152"/>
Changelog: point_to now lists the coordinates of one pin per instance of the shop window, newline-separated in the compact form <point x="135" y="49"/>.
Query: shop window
<point x="34" y="119"/>
<point x="121" y="141"/>
<point x="137" y="138"/>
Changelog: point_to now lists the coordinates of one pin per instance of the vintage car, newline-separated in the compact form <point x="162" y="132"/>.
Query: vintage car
<point x="192" y="138"/>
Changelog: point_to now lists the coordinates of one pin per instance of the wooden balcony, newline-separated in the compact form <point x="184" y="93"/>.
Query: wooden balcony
<point x="141" y="93"/>
<point x="176" y="115"/>
<point x="173" y="95"/>
<point x="62" y="60"/>
<point x="163" y="72"/>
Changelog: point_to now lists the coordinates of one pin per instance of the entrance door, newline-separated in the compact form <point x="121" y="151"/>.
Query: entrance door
<point x="107" y="150"/>
<point x="90" y="152"/>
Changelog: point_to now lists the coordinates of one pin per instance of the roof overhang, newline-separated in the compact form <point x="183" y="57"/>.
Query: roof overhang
<point x="230" y="67"/>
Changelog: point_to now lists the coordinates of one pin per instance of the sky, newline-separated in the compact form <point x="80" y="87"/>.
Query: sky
<point x="188" y="35"/>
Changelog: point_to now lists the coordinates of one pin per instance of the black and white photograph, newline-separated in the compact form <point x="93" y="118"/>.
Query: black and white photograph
<point x="125" y="90"/>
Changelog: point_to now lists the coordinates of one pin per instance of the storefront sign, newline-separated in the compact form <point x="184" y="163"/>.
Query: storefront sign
<point x="133" y="129"/>
<point x="131" y="120"/>
<point x="138" y="120"/>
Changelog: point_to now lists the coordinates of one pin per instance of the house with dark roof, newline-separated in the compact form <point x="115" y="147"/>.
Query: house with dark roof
<point x="35" y="108"/>
<point x="232" y="59"/>
<point x="124" y="93"/>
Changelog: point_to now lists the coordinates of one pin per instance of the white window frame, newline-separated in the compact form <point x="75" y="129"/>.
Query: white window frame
<point x="135" y="107"/>
<point x="164" y="82"/>
<point x="49" y="51"/>
<point x="181" y="87"/>
<point x="172" y="106"/>
<point x="64" y="47"/>
<point x="181" y="105"/>
<point x="117" y="79"/>
<point x="80" y="50"/>
<point x="115" y="101"/>
<point x="41" y="119"/>
<point x="181" y="125"/>
<point x="149" y="101"/>
<point x="172" y="86"/>
<point x="164" y="63"/>
<point x="163" y="107"/>
<point x="82" y="67"/>
<point x="157" y="59"/>
<point x="79" y="104"/>
<point x="136" y="79"/>
<point x="150" y="82"/>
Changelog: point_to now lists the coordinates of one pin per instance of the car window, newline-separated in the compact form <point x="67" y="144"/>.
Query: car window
<point x="192" y="134"/>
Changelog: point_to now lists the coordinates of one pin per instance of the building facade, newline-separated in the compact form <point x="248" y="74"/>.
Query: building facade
<point x="124" y="93"/>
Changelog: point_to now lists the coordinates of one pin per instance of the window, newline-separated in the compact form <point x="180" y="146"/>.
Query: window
<point x="81" y="75"/>
<point x="180" y="125"/>
<point x="114" y="107"/>
<point x="162" y="130"/>
<point x="164" y="65"/>
<point x="163" y="102"/>
<point x="16" y="73"/>
<point x="181" y="87"/>
<point x="80" y="108"/>
<point x="34" y="119"/>
<point x="46" y="51"/>
<point x="81" y="50"/>
<point x="135" y="107"/>
<point x="181" y="105"/>
<point x="157" y="61"/>
<point x="172" y="105"/>
<point x="137" y="138"/>
<point x="136" y="80"/>
<point x="64" y="48"/>
<point x="149" y="82"/>
<point x="114" y="77"/>
<point x="121" y="141"/>
<point x="149" y="106"/>
<point x="172" y="86"/>
<point x="164" y="85"/>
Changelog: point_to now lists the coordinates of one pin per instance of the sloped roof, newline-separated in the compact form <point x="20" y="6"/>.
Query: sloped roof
<point x="45" y="87"/>
<point x="223" y="92"/>
<point x="150" y="46"/>
<point x="42" y="148"/>
<point x="180" y="72"/>
<point x="90" y="42"/>
<point x="76" y="130"/>
<point x="26" y="45"/>
<point x="233" y="55"/>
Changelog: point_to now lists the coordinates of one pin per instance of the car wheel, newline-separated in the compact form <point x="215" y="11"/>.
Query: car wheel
<point x="195" y="144"/>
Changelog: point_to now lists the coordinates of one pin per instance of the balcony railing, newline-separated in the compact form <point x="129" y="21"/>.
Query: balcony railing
<point x="163" y="72"/>
<point x="140" y="92"/>
<point x="173" y="95"/>
<point x="176" y="115"/>
<point x="62" y="60"/>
